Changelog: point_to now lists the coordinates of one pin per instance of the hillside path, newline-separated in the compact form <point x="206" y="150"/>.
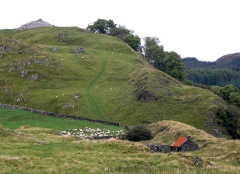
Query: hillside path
<point x="94" y="105"/>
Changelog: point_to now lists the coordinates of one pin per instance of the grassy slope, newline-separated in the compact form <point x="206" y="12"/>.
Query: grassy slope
<point x="17" y="118"/>
<point x="215" y="152"/>
<point x="100" y="83"/>
<point x="38" y="151"/>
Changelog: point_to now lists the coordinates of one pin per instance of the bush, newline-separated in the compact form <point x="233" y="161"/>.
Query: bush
<point x="230" y="119"/>
<point x="138" y="133"/>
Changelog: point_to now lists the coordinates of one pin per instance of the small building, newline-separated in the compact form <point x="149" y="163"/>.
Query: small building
<point x="184" y="144"/>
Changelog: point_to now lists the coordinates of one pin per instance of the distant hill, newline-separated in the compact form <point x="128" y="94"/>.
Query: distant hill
<point x="192" y="62"/>
<point x="229" y="61"/>
<point x="226" y="70"/>
<point x="34" y="24"/>
<point x="75" y="72"/>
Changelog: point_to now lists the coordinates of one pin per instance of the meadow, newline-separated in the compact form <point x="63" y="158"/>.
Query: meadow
<point x="14" y="119"/>
<point x="30" y="150"/>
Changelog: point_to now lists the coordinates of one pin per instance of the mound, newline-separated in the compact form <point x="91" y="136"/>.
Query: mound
<point x="166" y="132"/>
<point x="71" y="71"/>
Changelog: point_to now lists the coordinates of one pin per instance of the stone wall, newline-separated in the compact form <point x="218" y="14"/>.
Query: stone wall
<point x="51" y="114"/>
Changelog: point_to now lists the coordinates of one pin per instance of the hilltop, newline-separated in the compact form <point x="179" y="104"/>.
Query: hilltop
<point x="72" y="71"/>
<point x="35" y="24"/>
<point x="227" y="61"/>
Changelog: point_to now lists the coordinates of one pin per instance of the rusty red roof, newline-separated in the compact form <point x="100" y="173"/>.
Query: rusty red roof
<point x="179" y="142"/>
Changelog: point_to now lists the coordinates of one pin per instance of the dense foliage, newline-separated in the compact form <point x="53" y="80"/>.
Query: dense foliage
<point x="138" y="133"/>
<point x="230" y="119"/>
<point x="229" y="93"/>
<point x="169" y="62"/>
<point x="224" y="71"/>
<point x="109" y="27"/>
<point x="210" y="76"/>
<point x="102" y="26"/>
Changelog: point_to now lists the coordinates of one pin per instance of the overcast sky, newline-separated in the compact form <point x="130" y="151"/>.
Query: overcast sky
<point x="206" y="29"/>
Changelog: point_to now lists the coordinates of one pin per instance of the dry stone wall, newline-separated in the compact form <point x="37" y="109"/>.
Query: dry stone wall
<point x="51" y="114"/>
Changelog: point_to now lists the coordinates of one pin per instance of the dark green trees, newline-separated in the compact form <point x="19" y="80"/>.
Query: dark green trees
<point x="109" y="27"/>
<point x="138" y="133"/>
<point x="214" y="76"/>
<point x="169" y="62"/>
<point x="229" y="93"/>
<point x="102" y="26"/>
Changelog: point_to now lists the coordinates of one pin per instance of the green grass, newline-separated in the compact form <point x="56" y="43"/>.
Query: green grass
<point x="33" y="150"/>
<point x="105" y="78"/>
<point x="16" y="118"/>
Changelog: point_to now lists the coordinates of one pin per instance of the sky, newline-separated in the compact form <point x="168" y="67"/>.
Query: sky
<point x="206" y="29"/>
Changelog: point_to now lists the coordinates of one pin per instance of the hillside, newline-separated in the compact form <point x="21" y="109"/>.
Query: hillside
<point x="71" y="71"/>
<point x="222" y="72"/>
<point x="192" y="62"/>
<point x="227" y="61"/>
<point x="35" y="150"/>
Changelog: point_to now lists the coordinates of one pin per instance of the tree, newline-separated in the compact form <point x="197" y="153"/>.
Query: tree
<point x="138" y="133"/>
<point x="234" y="98"/>
<point x="127" y="36"/>
<point x="102" y="26"/>
<point x="169" y="62"/>
<point x="226" y="91"/>
<point x="152" y="50"/>
<point x="173" y="65"/>
<point x="109" y="27"/>
<point x="121" y="32"/>
<point x="133" y="41"/>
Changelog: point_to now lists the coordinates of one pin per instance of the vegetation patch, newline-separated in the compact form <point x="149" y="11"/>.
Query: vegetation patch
<point x="138" y="133"/>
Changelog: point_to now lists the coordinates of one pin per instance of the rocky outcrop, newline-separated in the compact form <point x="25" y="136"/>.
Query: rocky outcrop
<point x="146" y="96"/>
<point x="35" y="24"/>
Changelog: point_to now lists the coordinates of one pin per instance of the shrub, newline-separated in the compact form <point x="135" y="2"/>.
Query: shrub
<point x="138" y="133"/>
<point x="230" y="119"/>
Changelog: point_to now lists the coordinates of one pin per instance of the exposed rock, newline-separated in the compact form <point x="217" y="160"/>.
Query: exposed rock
<point x="198" y="162"/>
<point x="146" y="96"/>
<point x="1" y="55"/>
<point x="35" y="24"/>
<point x="34" y="77"/>
<point x="69" y="106"/>
<point x="76" y="96"/>
<point x="54" y="49"/>
<point x="23" y="73"/>
<point x="159" y="148"/>
<point x="78" y="50"/>
<point x="4" y="48"/>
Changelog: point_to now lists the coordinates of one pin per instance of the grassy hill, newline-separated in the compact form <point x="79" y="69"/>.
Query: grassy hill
<point x="46" y="68"/>
<point x="40" y="151"/>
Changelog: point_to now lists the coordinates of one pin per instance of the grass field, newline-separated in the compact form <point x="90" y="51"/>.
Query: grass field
<point x="16" y="118"/>
<point x="30" y="150"/>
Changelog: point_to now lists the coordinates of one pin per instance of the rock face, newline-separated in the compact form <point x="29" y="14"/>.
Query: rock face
<point x="35" y="24"/>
